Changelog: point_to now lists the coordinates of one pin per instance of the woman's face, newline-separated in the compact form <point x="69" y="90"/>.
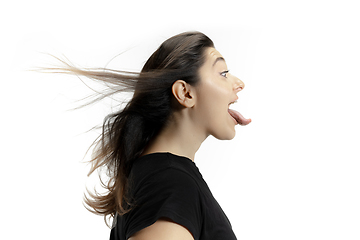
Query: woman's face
<point x="216" y="90"/>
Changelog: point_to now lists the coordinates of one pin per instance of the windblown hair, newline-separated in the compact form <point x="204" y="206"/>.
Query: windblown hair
<point x="126" y="133"/>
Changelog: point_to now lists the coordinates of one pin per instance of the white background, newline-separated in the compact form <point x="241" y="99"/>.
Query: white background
<point x="293" y="173"/>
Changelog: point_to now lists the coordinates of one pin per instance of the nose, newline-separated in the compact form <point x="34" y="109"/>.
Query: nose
<point x="238" y="84"/>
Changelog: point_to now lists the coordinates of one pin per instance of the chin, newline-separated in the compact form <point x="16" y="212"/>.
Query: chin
<point x="231" y="137"/>
<point x="228" y="135"/>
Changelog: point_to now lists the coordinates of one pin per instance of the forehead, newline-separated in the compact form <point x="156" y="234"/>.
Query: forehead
<point x="213" y="56"/>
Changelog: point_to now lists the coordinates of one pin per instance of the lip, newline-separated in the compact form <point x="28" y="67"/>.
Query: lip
<point x="233" y="101"/>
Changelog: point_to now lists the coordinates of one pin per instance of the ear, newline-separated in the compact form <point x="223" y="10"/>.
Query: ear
<point x="184" y="93"/>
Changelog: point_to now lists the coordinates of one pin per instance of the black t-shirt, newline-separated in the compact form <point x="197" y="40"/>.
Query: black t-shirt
<point x="168" y="186"/>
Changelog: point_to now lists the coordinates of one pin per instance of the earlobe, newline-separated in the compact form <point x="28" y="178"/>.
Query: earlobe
<point x="183" y="93"/>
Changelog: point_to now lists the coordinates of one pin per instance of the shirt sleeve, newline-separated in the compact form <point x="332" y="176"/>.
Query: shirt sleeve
<point x="169" y="193"/>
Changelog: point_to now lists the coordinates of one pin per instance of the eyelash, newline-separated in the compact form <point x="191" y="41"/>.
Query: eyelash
<point x="224" y="72"/>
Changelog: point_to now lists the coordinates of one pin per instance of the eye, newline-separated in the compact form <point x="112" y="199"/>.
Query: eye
<point x="224" y="73"/>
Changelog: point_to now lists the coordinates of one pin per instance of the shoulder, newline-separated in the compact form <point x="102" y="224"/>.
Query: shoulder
<point x="164" y="187"/>
<point x="164" y="167"/>
<point x="167" y="181"/>
<point x="165" y="229"/>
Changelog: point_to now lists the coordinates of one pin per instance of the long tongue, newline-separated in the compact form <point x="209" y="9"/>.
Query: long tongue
<point x="239" y="118"/>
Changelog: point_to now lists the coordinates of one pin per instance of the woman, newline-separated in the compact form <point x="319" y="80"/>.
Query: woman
<point x="181" y="96"/>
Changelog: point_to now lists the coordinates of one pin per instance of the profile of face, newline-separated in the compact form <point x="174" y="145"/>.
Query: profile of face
<point x="215" y="92"/>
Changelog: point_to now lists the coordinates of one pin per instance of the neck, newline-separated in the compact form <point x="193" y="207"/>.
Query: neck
<point x="180" y="137"/>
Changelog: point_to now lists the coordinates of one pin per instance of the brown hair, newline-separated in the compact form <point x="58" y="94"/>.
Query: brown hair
<point x="127" y="132"/>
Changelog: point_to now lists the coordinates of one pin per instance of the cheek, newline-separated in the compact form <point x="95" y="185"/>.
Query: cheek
<point x="214" y="102"/>
<point x="212" y="98"/>
<point x="215" y="89"/>
<point x="219" y="96"/>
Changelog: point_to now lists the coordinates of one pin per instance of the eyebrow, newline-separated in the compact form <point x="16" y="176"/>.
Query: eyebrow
<point x="218" y="59"/>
